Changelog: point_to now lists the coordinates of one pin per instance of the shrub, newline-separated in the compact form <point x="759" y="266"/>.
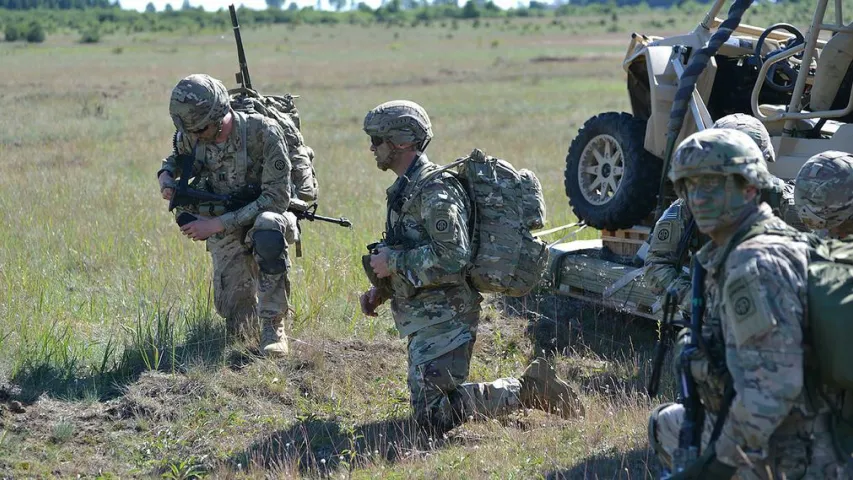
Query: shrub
<point x="12" y="33"/>
<point x="92" y="35"/>
<point x="35" y="33"/>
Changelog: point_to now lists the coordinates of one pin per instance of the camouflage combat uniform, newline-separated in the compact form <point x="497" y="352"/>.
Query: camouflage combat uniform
<point x="755" y="292"/>
<point x="432" y="304"/>
<point x="667" y="234"/>
<point x="254" y="154"/>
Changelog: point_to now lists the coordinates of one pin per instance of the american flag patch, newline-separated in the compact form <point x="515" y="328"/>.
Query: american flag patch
<point x="671" y="213"/>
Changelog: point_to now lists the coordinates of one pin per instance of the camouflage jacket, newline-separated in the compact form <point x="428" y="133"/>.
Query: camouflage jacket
<point x="234" y="166"/>
<point x="756" y="305"/>
<point x="660" y="262"/>
<point x="427" y="231"/>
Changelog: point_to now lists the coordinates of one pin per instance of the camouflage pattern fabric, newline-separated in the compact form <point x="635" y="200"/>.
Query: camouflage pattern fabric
<point x="197" y="101"/>
<point x="507" y="258"/>
<point x="720" y="152"/>
<point x="428" y="235"/>
<point x="753" y="128"/>
<point x="282" y="109"/>
<point x="823" y="192"/>
<point x="241" y="292"/>
<point x="440" y="397"/>
<point x="754" y="327"/>
<point x="226" y="168"/>
<point x="399" y="121"/>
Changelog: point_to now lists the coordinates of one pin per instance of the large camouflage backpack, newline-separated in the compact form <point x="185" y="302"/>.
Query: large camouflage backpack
<point x="829" y="326"/>
<point x="282" y="109"/>
<point x="507" y="204"/>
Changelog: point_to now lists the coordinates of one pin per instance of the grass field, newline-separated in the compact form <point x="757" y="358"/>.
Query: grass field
<point x="112" y="361"/>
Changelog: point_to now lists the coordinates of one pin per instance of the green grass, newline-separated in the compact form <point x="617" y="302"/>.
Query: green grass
<point x="100" y="291"/>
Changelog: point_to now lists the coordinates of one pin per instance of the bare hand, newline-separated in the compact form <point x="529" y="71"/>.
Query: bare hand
<point x="166" y="182"/>
<point x="203" y="228"/>
<point x="370" y="301"/>
<point x="379" y="262"/>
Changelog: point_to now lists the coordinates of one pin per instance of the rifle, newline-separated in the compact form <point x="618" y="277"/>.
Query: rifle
<point x="243" y="75"/>
<point x="670" y="304"/>
<point x="219" y="203"/>
<point x="690" y="436"/>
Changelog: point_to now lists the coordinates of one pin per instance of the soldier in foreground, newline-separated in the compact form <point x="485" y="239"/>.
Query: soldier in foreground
<point x="824" y="193"/>
<point x="420" y="268"/>
<point x="230" y="152"/>
<point x="749" y="367"/>
<point x="673" y="237"/>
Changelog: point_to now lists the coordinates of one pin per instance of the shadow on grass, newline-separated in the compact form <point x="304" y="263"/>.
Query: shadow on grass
<point x="633" y="465"/>
<point x="150" y="346"/>
<point x="322" y="447"/>
<point x="607" y="351"/>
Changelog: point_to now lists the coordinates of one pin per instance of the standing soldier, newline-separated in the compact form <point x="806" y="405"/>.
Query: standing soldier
<point x="752" y="339"/>
<point x="823" y="193"/>
<point x="230" y="152"/>
<point x="420" y="267"/>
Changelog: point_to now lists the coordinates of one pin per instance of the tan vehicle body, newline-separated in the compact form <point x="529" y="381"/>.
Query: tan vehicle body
<point x="609" y="169"/>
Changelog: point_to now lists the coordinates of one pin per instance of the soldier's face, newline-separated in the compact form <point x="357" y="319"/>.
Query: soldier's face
<point x="716" y="201"/>
<point x="206" y="134"/>
<point x="382" y="152"/>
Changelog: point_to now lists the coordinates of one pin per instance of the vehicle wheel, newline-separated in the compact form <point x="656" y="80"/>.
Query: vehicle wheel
<point x="610" y="179"/>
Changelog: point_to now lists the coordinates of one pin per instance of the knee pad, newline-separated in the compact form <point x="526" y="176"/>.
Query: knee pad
<point x="269" y="246"/>
<point x="663" y="456"/>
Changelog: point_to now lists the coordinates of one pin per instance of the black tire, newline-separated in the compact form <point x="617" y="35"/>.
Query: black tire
<point x="635" y="191"/>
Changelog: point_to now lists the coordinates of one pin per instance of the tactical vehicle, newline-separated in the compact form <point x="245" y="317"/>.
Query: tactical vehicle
<point x="798" y="85"/>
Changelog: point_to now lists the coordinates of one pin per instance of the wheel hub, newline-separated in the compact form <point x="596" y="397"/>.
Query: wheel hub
<point x="600" y="169"/>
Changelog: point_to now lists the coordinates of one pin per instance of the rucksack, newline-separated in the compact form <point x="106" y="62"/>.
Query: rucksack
<point x="282" y="109"/>
<point x="829" y="331"/>
<point x="507" y="204"/>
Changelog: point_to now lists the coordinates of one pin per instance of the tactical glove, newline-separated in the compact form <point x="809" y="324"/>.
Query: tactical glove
<point x="383" y="285"/>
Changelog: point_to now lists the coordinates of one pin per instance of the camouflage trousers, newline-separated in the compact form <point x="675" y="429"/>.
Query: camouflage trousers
<point x="242" y="293"/>
<point x="441" y="400"/>
<point x="799" y="449"/>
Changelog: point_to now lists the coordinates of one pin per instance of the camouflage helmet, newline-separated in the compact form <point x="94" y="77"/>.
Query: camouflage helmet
<point x="197" y="101"/>
<point x="752" y="127"/>
<point x="822" y="190"/>
<point x="720" y="151"/>
<point x="399" y="121"/>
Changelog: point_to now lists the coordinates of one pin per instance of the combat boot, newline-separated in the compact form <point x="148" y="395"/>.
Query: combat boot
<point x="273" y="339"/>
<point x="542" y="389"/>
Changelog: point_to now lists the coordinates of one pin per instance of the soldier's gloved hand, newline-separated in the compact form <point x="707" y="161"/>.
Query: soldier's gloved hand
<point x="167" y="185"/>
<point x="379" y="262"/>
<point x="370" y="301"/>
<point x="706" y="467"/>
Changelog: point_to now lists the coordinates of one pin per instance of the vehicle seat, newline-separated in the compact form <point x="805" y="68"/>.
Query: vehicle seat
<point x="832" y="66"/>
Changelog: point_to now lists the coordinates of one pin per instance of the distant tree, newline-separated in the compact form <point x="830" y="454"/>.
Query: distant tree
<point x="470" y="10"/>
<point x="338" y="4"/>
<point x="12" y="33"/>
<point x="169" y="8"/>
<point x="186" y="5"/>
<point x="275" y="4"/>
<point x="292" y="7"/>
<point x="150" y="8"/>
<point x="35" y="33"/>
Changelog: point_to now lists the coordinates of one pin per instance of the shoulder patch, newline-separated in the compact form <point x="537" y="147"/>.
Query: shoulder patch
<point x="747" y="307"/>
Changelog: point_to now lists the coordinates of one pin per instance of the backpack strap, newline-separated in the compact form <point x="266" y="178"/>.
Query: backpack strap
<point x="242" y="167"/>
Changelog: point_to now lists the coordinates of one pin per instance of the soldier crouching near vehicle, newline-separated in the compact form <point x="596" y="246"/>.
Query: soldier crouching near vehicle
<point x="673" y="231"/>
<point x="248" y="246"/>
<point x="752" y="344"/>
<point x="420" y="267"/>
